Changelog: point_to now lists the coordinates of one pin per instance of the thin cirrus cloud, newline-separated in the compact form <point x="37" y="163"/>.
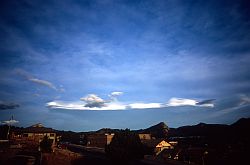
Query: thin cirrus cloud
<point x="113" y="96"/>
<point x="94" y="102"/>
<point x="38" y="81"/>
<point x="43" y="82"/>
<point x="244" y="100"/>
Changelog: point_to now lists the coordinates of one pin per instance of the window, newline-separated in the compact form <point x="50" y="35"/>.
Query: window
<point x="52" y="134"/>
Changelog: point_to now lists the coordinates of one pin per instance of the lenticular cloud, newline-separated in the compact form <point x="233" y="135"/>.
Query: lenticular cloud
<point x="94" y="102"/>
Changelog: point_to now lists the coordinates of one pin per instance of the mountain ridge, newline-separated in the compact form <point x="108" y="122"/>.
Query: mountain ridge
<point x="161" y="130"/>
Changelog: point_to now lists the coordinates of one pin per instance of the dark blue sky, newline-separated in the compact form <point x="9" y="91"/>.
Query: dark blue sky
<point x="84" y="65"/>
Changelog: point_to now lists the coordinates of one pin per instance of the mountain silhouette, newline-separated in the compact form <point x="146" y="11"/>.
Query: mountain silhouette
<point x="159" y="130"/>
<point x="212" y="130"/>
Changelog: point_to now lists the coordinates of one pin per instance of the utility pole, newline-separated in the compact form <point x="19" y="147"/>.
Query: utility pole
<point x="9" y="127"/>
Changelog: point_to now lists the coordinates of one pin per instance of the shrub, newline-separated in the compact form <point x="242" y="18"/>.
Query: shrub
<point x="46" y="144"/>
<point x="125" y="146"/>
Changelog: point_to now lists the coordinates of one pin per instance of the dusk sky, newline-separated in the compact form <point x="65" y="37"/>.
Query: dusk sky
<point x="91" y="64"/>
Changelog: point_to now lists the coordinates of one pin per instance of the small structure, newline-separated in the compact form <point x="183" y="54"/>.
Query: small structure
<point x="99" y="140"/>
<point x="34" y="134"/>
<point x="173" y="143"/>
<point x="157" y="145"/>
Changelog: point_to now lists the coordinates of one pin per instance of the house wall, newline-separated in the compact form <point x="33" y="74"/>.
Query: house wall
<point x="109" y="138"/>
<point x="99" y="140"/>
<point x="36" y="137"/>
<point x="145" y="136"/>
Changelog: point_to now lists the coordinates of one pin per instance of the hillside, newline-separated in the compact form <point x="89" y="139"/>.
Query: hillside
<point x="159" y="130"/>
<point x="200" y="129"/>
<point x="216" y="130"/>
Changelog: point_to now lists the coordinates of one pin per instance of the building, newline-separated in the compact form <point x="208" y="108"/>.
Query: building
<point x="157" y="145"/>
<point x="173" y="143"/>
<point x="34" y="134"/>
<point x="99" y="140"/>
<point x="145" y="136"/>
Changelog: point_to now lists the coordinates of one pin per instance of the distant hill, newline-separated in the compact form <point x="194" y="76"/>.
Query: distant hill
<point x="161" y="130"/>
<point x="107" y="130"/>
<point x="226" y="144"/>
<point x="241" y="128"/>
<point x="158" y="131"/>
<point x="233" y="131"/>
<point x="200" y="129"/>
<point x="242" y="123"/>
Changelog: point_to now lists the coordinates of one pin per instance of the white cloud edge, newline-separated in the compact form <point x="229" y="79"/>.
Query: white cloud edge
<point x="116" y="94"/>
<point x="81" y="106"/>
<point x="173" y="102"/>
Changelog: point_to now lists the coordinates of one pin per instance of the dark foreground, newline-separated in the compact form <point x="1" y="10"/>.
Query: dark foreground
<point x="96" y="158"/>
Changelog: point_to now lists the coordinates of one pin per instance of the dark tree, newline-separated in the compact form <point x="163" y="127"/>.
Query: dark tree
<point x="4" y="131"/>
<point x="46" y="144"/>
<point x="125" y="146"/>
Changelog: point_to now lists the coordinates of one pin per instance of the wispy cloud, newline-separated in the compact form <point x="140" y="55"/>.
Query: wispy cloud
<point x="5" y="105"/>
<point x="113" y="96"/>
<point x="43" y="82"/>
<point x="38" y="81"/>
<point x="244" y="100"/>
